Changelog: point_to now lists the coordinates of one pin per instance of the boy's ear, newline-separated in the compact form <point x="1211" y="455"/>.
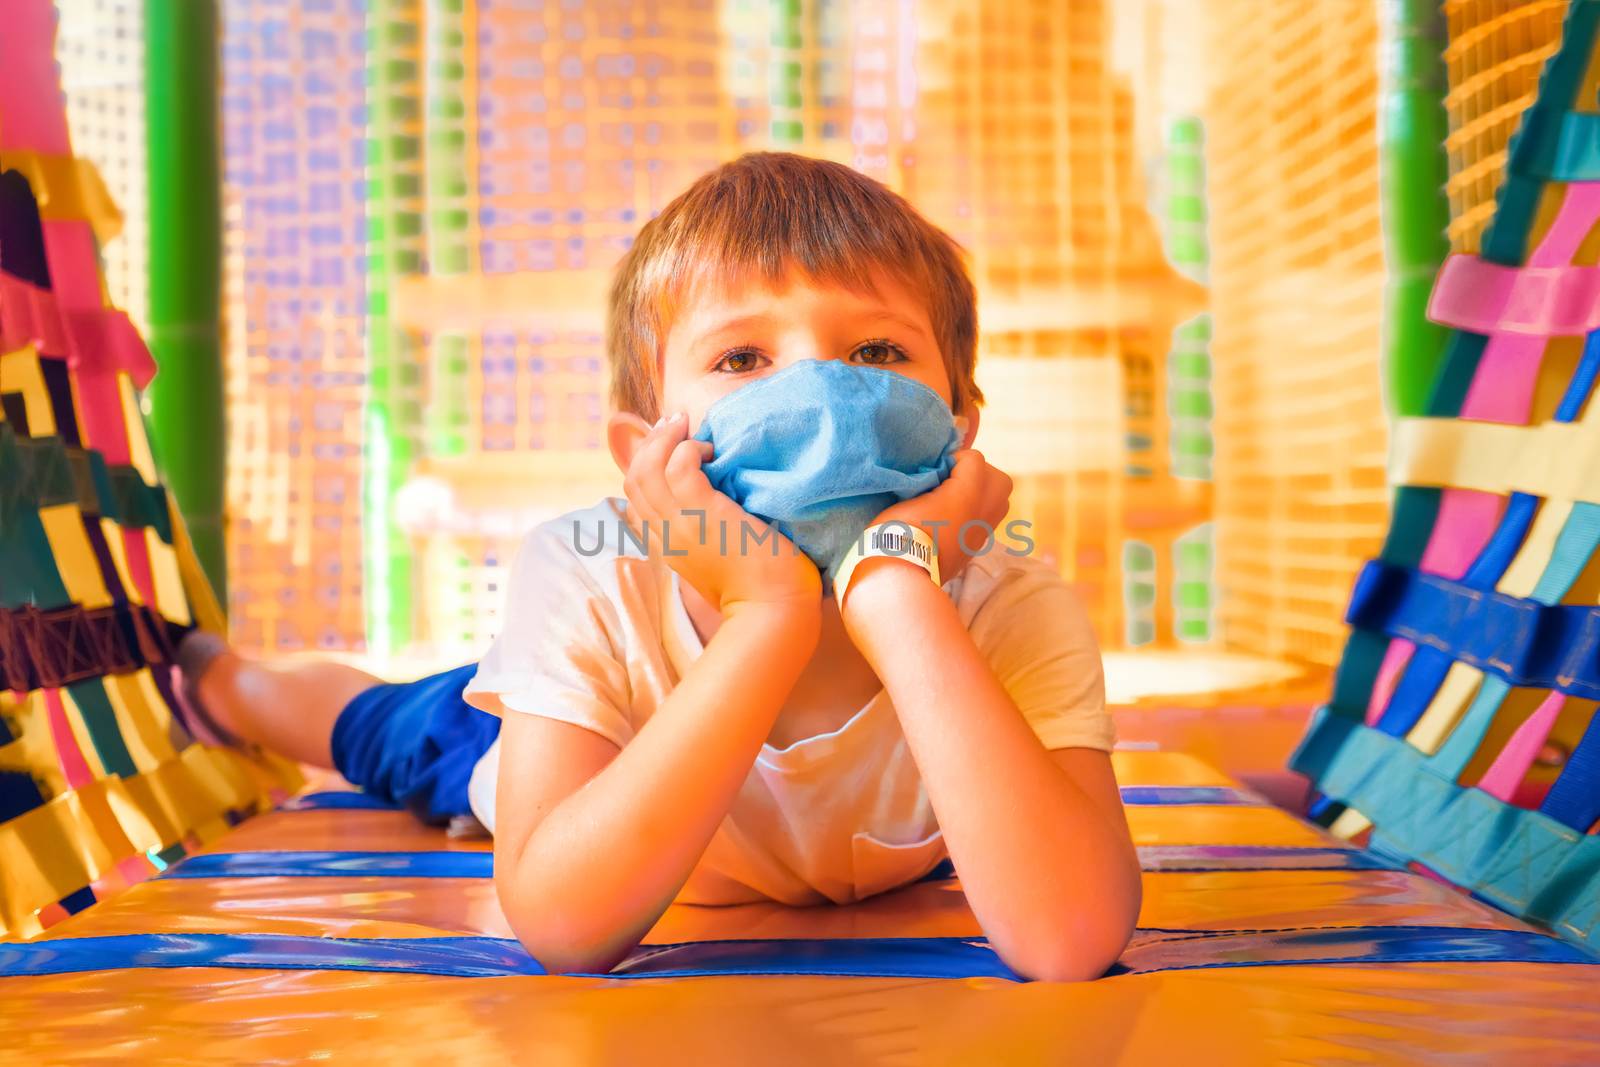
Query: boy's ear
<point x="971" y="417"/>
<point x="624" y="433"/>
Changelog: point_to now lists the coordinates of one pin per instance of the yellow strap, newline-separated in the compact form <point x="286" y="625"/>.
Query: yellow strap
<point x="55" y="849"/>
<point x="1556" y="460"/>
<point x="202" y="598"/>
<point x="20" y="371"/>
<point x="143" y="731"/>
<point x="1349" y="823"/>
<point x="1533" y="557"/>
<point x="166" y="579"/>
<point x="1449" y="703"/>
<point x="139" y="456"/>
<point x="119" y="557"/>
<point x="68" y="188"/>
<point x="76" y="838"/>
<point x="34" y="750"/>
<point x="75" y="559"/>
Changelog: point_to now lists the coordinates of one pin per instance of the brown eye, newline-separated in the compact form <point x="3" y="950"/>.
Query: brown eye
<point x="737" y="362"/>
<point x="878" y="352"/>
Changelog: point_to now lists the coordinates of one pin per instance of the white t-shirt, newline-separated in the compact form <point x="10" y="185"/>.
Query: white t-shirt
<point x="596" y="634"/>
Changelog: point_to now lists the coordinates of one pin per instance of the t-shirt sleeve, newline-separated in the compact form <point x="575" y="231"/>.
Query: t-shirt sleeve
<point x="1038" y="640"/>
<point x="557" y="653"/>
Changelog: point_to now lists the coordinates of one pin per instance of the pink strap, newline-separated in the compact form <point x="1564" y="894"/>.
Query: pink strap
<point x="1508" y="370"/>
<point x="28" y="316"/>
<point x="1466" y="520"/>
<point x="100" y="413"/>
<point x="138" y="550"/>
<point x="33" y="113"/>
<point x="73" y="765"/>
<point x="74" y="264"/>
<point x="1548" y="296"/>
<point x="1474" y="294"/>
<point x="1395" y="658"/>
<point x="104" y="338"/>
<point x="1510" y="767"/>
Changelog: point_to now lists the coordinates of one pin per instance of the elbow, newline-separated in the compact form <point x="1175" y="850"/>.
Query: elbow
<point x="561" y="951"/>
<point x="555" y="961"/>
<point x="562" y="939"/>
<point x="1073" y="950"/>
<point x="1060" y="963"/>
<point x="1063" y="967"/>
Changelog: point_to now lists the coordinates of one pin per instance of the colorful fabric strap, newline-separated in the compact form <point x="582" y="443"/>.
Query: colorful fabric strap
<point x="929" y="957"/>
<point x="1527" y="643"/>
<point x="1473" y="294"/>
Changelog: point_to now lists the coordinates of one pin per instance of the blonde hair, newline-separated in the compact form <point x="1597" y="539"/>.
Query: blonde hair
<point x="764" y="215"/>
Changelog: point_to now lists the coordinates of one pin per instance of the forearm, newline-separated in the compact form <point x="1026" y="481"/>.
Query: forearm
<point x="1049" y="871"/>
<point x="597" y="872"/>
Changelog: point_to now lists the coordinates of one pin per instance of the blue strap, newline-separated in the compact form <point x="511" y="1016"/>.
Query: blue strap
<point x="1164" y="795"/>
<point x="481" y="864"/>
<point x="343" y="800"/>
<point x="1423" y="675"/>
<point x="1459" y="749"/>
<point x="457" y="957"/>
<point x="1131" y="794"/>
<point x="1361" y="944"/>
<point x="931" y="957"/>
<point x="1574" y="800"/>
<point x="1583" y="379"/>
<point x="1255" y="858"/>
<point x="335" y="865"/>
<point x="1541" y="646"/>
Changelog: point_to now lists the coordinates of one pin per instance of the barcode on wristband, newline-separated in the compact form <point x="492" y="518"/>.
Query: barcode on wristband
<point x="895" y="543"/>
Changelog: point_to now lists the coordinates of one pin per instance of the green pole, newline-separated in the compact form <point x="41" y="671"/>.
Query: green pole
<point x="786" y="79"/>
<point x="1189" y="376"/>
<point x="182" y="142"/>
<point x="392" y="418"/>
<point x="449" y="205"/>
<point x="1413" y="169"/>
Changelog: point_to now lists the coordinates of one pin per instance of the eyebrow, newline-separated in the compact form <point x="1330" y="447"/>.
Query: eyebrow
<point x="734" y="325"/>
<point x="744" y="322"/>
<point x="895" y="317"/>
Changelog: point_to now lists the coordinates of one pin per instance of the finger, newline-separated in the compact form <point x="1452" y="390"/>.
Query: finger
<point x="966" y="456"/>
<point x="686" y="482"/>
<point x="963" y="491"/>
<point x="969" y="467"/>
<point x="647" y="457"/>
<point x="651" y="459"/>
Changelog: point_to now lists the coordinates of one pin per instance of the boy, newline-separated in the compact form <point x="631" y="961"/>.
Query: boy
<point x="682" y="716"/>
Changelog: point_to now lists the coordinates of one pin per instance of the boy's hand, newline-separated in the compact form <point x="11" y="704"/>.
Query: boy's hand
<point x="728" y="555"/>
<point x="975" y="493"/>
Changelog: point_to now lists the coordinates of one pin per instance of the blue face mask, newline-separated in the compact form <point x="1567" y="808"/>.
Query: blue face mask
<point x="821" y="448"/>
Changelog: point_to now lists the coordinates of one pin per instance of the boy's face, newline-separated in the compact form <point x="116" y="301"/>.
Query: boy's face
<point x="724" y="338"/>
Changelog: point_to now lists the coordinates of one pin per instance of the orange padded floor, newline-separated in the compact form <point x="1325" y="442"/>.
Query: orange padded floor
<point x="1261" y="940"/>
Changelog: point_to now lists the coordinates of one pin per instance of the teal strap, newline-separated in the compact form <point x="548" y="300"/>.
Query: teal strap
<point x="1576" y="156"/>
<point x="1520" y="860"/>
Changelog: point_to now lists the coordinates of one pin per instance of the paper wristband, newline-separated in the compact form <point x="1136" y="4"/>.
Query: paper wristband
<point x="896" y="540"/>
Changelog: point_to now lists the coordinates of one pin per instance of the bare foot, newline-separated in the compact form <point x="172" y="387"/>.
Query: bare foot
<point x="203" y="660"/>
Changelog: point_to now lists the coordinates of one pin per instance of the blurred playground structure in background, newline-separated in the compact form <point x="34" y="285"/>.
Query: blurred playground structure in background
<point x="413" y="340"/>
<point x="1172" y="208"/>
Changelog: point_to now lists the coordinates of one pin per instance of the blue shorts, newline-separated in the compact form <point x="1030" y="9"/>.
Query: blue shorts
<point x="415" y="743"/>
